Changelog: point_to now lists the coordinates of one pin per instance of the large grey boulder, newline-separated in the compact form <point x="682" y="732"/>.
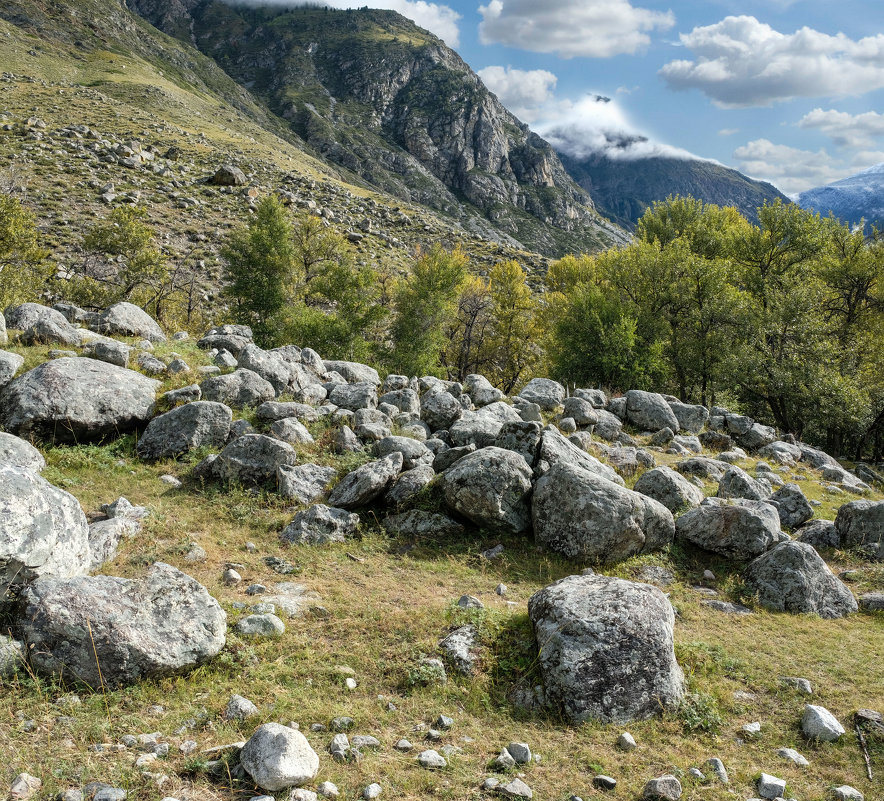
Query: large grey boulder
<point x="737" y="483"/>
<point x="238" y="389"/>
<point x="736" y="528"/>
<point x="490" y="487"/>
<point x="702" y="467"/>
<point x="41" y="324"/>
<point x="43" y="531"/>
<point x="362" y="395"/>
<point x="860" y="524"/>
<point x="17" y="452"/>
<point x="781" y="452"/>
<point x="278" y="757"/>
<point x="271" y="411"/>
<point x="690" y="418"/>
<point x="319" y="525"/>
<point x="481" y="390"/>
<point x="791" y="505"/>
<point x="671" y="489"/>
<point x="649" y="411"/>
<point x="77" y="400"/>
<point x="253" y="459"/>
<point x="405" y="400"/>
<point x="584" y="516"/>
<point x="608" y="426"/>
<point x="363" y="485"/>
<point x="555" y="449"/>
<point x="440" y="410"/>
<point x="409" y="484"/>
<point x="194" y="425"/>
<point x="581" y="411"/>
<point x="273" y="369"/>
<point x="547" y="394"/>
<point x="792" y="577"/>
<point x="606" y="648"/>
<point x="758" y="436"/>
<point x="413" y="452"/>
<point x="130" y="629"/>
<point x="126" y="319"/>
<point x="304" y="483"/>
<point x="522" y="437"/>
<point x="354" y="372"/>
<point x="232" y="338"/>
<point x="10" y="364"/>
<point x="820" y="534"/>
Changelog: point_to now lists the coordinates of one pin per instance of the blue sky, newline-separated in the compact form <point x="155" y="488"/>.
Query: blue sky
<point x="789" y="91"/>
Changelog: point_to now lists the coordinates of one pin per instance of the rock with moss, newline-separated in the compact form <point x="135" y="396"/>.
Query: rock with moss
<point x="201" y="424"/>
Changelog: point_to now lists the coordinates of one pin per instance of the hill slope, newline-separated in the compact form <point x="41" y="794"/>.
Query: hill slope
<point x="623" y="189"/>
<point x="859" y="197"/>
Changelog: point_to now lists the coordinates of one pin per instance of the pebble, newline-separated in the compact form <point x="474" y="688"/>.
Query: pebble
<point x="431" y="759"/>
<point x="372" y="791"/>
<point x="602" y="782"/>
<point x="626" y="742"/>
<point x="24" y="786"/>
<point x="771" y="787"/>
<point x="793" y="756"/>
<point x="328" y="790"/>
<point x="350" y="683"/>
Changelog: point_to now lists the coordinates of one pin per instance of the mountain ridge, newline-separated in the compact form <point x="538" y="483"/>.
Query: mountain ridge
<point x="857" y="198"/>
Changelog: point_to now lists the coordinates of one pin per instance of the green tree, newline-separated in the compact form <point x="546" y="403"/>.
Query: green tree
<point x="425" y="305"/>
<point x="260" y="270"/>
<point x="24" y="268"/>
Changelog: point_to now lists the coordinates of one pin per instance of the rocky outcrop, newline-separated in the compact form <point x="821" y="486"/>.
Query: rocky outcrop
<point x="606" y="648"/>
<point x="194" y="425"/>
<point x="17" y="452"/>
<point x="860" y="524"/>
<point x="128" y="320"/>
<point x="736" y="529"/>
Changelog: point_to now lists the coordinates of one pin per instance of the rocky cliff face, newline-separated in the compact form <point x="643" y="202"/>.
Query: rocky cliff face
<point x="371" y="92"/>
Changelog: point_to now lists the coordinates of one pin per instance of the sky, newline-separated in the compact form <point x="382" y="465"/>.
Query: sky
<point x="786" y="91"/>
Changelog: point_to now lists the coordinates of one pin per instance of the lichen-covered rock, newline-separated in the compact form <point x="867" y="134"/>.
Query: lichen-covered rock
<point x="232" y="338"/>
<point x="16" y="452"/>
<point x="792" y="577"/>
<point x="584" y="516"/>
<point x="581" y="411"/>
<point x="128" y="320"/>
<point x="459" y="649"/>
<point x="860" y="524"/>
<point x="737" y="483"/>
<point x="353" y="372"/>
<point x="418" y="523"/>
<point x="321" y="524"/>
<point x="490" y="487"/>
<point x="304" y="483"/>
<point x="278" y="757"/>
<point x="267" y="364"/>
<point x="547" y="394"/>
<point x="555" y="449"/>
<point x="820" y="534"/>
<point x="43" y="531"/>
<point x="253" y="459"/>
<point x="194" y="425"/>
<point x="10" y="364"/>
<point x="409" y="484"/>
<point x="440" y="410"/>
<point x="791" y="505"/>
<point x="413" y="452"/>
<point x="734" y="528"/>
<point x="77" y="400"/>
<point x="481" y="390"/>
<point x="606" y="648"/>
<point x="238" y="389"/>
<point x="365" y="484"/>
<point x="703" y="467"/>
<point x="131" y="629"/>
<point x="105" y="537"/>
<point x="649" y="411"/>
<point x="354" y="396"/>
<point x="690" y="418"/>
<point x="670" y="488"/>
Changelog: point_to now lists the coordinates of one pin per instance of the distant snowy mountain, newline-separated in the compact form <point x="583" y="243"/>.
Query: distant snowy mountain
<point x="859" y="197"/>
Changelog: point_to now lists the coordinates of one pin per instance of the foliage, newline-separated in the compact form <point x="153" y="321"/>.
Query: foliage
<point x="23" y="263"/>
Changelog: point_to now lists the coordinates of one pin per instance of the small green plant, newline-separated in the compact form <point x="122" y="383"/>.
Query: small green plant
<point x="699" y="712"/>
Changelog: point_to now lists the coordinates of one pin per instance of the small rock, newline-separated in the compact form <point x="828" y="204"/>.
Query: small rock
<point x="697" y="774"/>
<point x="603" y="782"/>
<point x="802" y="685"/>
<point x="515" y="789"/>
<point x="751" y="730"/>
<point x="716" y="767"/>
<point x="261" y="626"/>
<point x="847" y="793"/>
<point x="24" y="786"/>
<point x="520" y="752"/>
<point x="403" y="745"/>
<point x="328" y="790"/>
<point x="504" y="760"/>
<point x="444" y="722"/>
<point x="500" y="589"/>
<point x="372" y="791"/>
<point x="431" y="759"/>
<point x="818" y="723"/>
<point x="350" y="683"/>
<point x="664" y="788"/>
<point x="469" y="602"/>
<point x="771" y="787"/>
<point x="239" y="708"/>
<point x="792" y="756"/>
<point x="231" y="577"/>
<point x="626" y="742"/>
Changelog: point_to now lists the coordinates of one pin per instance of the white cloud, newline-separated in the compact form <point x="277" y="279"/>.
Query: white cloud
<point x="792" y="170"/>
<point x="523" y="92"/>
<point x="436" y="18"/>
<point x="593" y="28"/>
<point x="846" y="130"/>
<point x="743" y="62"/>
<point x="728" y="131"/>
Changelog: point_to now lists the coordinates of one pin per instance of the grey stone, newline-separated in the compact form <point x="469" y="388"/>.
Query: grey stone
<point x="126" y="319"/>
<point x="481" y="390"/>
<point x="271" y="411"/>
<point x="520" y="752"/>
<point x="771" y="787"/>
<point x="446" y="458"/>
<point x="820" y="534"/>
<point x="225" y="360"/>
<point x="791" y="505"/>
<point x="791" y="755"/>
<point x="792" y="577"/>
<point x="414" y="453"/>
<point x="860" y="524"/>
<point x="10" y="364"/>
<point x="606" y="648"/>
<point x="253" y="460"/>
<point x="595" y="396"/>
<point x="758" y="436"/>
<point x="187" y="428"/>
<point x="817" y="723"/>
<point x="232" y="338"/>
<point x="261" y="625"/>
<point x="354" y="396"/>
<point x="409" y="484"/>
<point x="188" y="394"/>
<point x="555" y="449"/>
<point x="802" y="685"/>
<point x="345" y="441"/>
<point x="291" y="431"/>
<point x="547" y="394"/>
<point x="737" y="483"/>
<point x="16" y="452"/>
<point x="872" y="602"/>
<point x="608" y="426"/>
<point x="649" y="411"/>
<point x="43" y="531"/>
<point x="690" y="418"/>
<point x="77" y="400"/>
<point x="781" y="452"/>
<point x="228" y="175"/>
<point x="583" y="516"/>
<point x="278" y="757"/>
<point x="372" y="791"/>
<point x="847" y="793"/>
<point x="12" y="655"/>
<point x="582" y="411"/>
<point x="663" y="788"/>
<point x="727" y="607"/>
<point x="134" y="629"/>
<point x="405" y="400"/>
<point x="515" y="788"/>
<point x="366" y="483"/>
<point x="504" y="761"/>
<point x="602" y="782"/>
<point x="670" y="488"/>
<point x="239" y="708"/>
<point x="626" y="742"/>
<point x="520" y="437"/>
<point x="419" y="524"/>
<point x="459" y="649"/>
<point x="702" y="467"/>
<point x="304" y="483"/>
<point x="270" y="366"/>
<point x="321" y="524"/>
<point x="440" y="410"/>
<point x="150" y="365"/>
<point x="431" y="759"/>
<point x="105" y="537"/>
<point x="735" y="528"/>
<point x="717" y="769"/>
<point x="353" y="372"/>
<point x="238" y="389"/>
<point x="491" y="488"/>
<point x="112" y="352"/>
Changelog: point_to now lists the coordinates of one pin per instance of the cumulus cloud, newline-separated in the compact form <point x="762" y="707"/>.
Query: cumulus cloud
<point x="593" y="28"/>
<point x="436" y="18"/>
<point x="743" y="62"/>
<point x="792" y="170"/>
<point x="597" y="125"/>
<point x="524" y="92"/>
<point x="846" y="130"/>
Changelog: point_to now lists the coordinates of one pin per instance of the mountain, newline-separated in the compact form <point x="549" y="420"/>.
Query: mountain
<point x="623" y="188"/>
<point x="371" y="92"/>
<point x="859" y="197"/>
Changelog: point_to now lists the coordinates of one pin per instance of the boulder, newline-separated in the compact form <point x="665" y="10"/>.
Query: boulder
<point x="77" y="400"/>
<point x="41" y="324"/>
<point x="366" y="483"/>
<point x="354" y="372"/>
<point x="228" y="175"/>
<point x="481" y="390"/>
<point x="43" y="531"/>
<point x="736" y="529"/>
<point x="737" y="483"/>
<point x="133" y="629"/>
<point x="419" y="524"/>
<point x="16" y="452"/>
<point x="405" y="400"/>
<point x="596" y="397"/>
<point x="304" y="483"/>
<point x="791" y="505"/>
<point x="820" y="534"/>
<point x="238" y="389"/>
<point x="758" y="436"/>
<point x="278" y="757"/>
<point x="860" y="524"/>
<point x="547" y="394"/>
<point x="194" y="425"/>
<point x="606" y="648"/>
<point x="583" y="516"/>
<point x="271" y="411"/>
<point x="270" y="366"/>
<point x="253" y="459"/>
<point x="291" y="431"/>
<point x="409" y="484"/>
<point x="608" y="426"/>
<point x="781" y="452"/>
<point x="671" y="489"/>
<point x="413" y="452"/>
<point x="232" y="338"/>
<point x="319" y="525"/>
<point x="690" y="418"/>
<point x="792" y="577"/>
<point x="649" y="411"/>
<point x="491" y="487"/>
<point x="702" y="467"/>
<point x="440" y="410"/>
<point x="555" y="449"/>
<point x="520" y="437"/>
<point x="362" y="395"/>
<point x="128" y="320"/>
<point x="581" y="411"/>
<point x="10" y="364"/>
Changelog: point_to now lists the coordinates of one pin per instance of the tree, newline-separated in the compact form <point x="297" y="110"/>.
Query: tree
<point x="425" y="305"/>
<point x="467" y="335"/>
<point x="316" y="249"/>
<point x="260" y="270"/>
<point x="24" y="268"/>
